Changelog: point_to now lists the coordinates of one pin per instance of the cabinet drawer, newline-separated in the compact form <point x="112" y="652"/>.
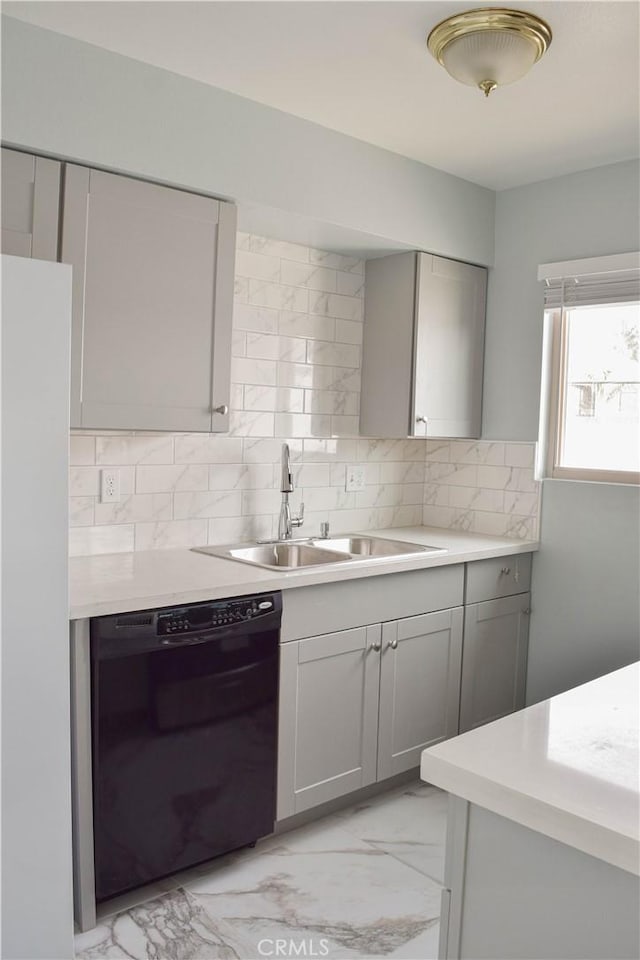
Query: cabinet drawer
<point x="499" y="577"/>
<point x="326" y="607"/>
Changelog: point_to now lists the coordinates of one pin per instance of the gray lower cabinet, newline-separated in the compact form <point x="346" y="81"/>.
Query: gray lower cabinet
<point x="419" y="687"/>
<point x="328" y="730"/>
<point x="494" y="660"/>
<point x="152" y="303"/>
<point x="30" y="204"/>
<point x="360" y="705"/>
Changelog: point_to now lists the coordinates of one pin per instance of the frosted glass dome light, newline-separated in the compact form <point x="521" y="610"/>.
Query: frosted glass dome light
<point x="489" y="48"/>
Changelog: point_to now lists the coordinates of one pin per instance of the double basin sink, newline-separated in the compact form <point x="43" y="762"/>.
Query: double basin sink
<point x="293" y="554"/>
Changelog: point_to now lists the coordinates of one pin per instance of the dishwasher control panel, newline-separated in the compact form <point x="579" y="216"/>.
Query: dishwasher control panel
<point x="224" y="613"/>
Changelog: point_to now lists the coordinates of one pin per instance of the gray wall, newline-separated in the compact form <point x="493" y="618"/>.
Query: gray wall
<point x="75" y="100"/>
<point x="585" y="615"/>
<point x="584" y="214"/>
<point x="37" y="910"/>
<point x="586" y="576"/>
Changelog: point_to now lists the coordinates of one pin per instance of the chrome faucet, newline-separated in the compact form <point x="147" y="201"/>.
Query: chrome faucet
<point x="286" y="522"/>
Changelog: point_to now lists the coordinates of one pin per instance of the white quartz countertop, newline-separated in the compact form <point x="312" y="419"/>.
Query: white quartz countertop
<point x="566" y="767"/>
<point x="121" y="582"/>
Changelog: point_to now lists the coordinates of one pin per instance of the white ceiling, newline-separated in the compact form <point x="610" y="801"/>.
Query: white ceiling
<point x="363" y="68"/>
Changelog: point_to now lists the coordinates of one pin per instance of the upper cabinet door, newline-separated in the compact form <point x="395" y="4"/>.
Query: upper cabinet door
<point x="449" y="348"/>
<point x="423" y="347"/>
<point x="152" y="303"/>
<point x="30" y="205"/>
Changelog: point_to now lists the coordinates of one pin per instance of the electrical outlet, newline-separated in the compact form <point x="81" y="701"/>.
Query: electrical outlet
<point x="355" y="477"/>
<point x="110" y="486"/>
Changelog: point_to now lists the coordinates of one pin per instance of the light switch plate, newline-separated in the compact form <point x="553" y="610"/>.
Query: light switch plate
<point x="355" y="477"/>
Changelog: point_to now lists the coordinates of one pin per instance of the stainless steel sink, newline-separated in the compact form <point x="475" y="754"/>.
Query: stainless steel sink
<point x="361" y="546"/>
<point x="278" y="556"/>
<point x="293" y="554"/>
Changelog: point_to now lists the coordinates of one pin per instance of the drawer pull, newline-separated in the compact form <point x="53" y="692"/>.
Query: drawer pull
<point x="393" y="644"/>
<point x="376" y="646"/>
<point x="506" y="571"/>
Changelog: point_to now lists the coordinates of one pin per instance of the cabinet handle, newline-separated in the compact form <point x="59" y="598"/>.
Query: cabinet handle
<point x="421" y="419"/>
<point x="393" y="644"/>
<point x="223" y="409"/>
<point x="506" y="571"/>
<point x="376" y="646"/>
<point x="527" y="611"/>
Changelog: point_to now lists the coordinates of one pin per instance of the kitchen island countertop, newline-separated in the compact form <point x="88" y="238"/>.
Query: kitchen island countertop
<point x="566" y="767"/>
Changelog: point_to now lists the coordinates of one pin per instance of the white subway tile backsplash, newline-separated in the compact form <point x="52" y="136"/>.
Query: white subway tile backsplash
<point x="278" y="297"/>
<point x="272" y="248"/>
<point x="350" y="284"/>
<point x="332" y="401"/>
<point x="209" y="503"/>
<point x="333" y="354"/>
<point x="305" y="325"/>
<point x="82" y="451"/>
<point x="167" y="479"/>
<point x="344" y="426"/>
<point x="170" y="534"/>
<point x="260" y="502"/>
<point x="237" y="529"/>
<point x="335" y="305"/>
<point x="250" y="423"/>
<point x="296" y="356"/>
<point x="81" y="511"/>
<point x="258" y="319"/>
<point x="348" y="331"/>
<point x="503" y="501"/>
<point x="207" y="448"/>
<point x="258" y="266"/>
<point x="337" y="261"/>
<point x="135" y="507"/>
<point x="118" y="538"/>
<point x="302" y="425"/>
<point x="312" y="276"/>
<point x="260" y="398"/>
<point x="304" y="375"/>
<point x="332" y="449"/>
<point x="241" y="476"/>
<point x="134" y="450"/>
<point x="250" y="370"/>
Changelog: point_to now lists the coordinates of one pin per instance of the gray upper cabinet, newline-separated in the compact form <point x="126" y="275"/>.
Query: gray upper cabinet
<point x="30" y="205"/>
<point x="494" y="661"/>
<point x="423" y="348"/>
<point x="152" y="303"/>
<point x="419" y="687"/>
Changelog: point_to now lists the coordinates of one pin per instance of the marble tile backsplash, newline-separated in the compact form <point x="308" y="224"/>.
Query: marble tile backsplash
<point x="296" y="357"/>
<point x="482" y="487"/>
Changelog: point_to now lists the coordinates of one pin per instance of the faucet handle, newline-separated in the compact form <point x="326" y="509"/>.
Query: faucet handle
<point x="324" y="530"/>
<point x="299" y="520"/>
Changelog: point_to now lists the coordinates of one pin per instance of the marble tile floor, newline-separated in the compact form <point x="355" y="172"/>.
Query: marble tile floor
<point x="361" y="883"/>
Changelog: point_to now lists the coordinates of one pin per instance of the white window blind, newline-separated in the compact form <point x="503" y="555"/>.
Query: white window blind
<point x="598" y="280"/>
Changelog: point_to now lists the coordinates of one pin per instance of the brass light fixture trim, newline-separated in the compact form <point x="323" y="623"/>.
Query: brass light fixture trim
<point x="518" y="23"/>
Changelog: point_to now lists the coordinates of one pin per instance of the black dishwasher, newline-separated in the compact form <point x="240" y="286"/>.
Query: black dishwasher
<point x="184" y="736"/>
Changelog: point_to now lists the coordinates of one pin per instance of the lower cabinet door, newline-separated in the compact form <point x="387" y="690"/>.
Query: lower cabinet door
<point x="494" y="660"/>
<point x="419" y="687"/>
<point x="328" y="717"/>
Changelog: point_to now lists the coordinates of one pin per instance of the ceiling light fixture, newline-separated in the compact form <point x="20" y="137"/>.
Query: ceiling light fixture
<point x="489" y="47"/>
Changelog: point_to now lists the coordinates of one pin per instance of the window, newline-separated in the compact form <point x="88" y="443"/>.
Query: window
<point x="592" y="311"/>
